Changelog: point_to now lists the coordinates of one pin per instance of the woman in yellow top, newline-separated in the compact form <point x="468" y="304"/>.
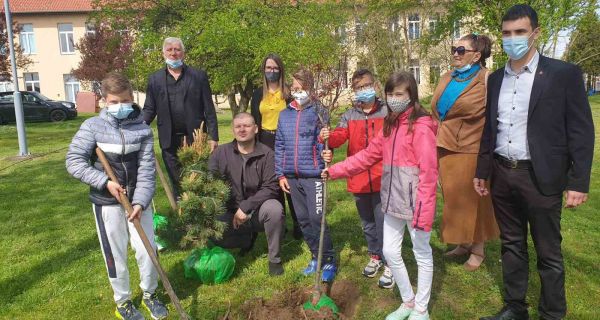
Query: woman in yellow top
<point x="267" y="101"/>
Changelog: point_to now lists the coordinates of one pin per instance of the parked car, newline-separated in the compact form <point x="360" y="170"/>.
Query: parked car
<point x="36" y="107"/>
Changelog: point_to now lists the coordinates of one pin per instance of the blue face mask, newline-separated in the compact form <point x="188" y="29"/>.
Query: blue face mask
<point x="120" y="110"/>
<point x="516" y="47"/>
<point x="465" y="68"/>
<point x="366" y="95"/>
<point x="174" y="64"/>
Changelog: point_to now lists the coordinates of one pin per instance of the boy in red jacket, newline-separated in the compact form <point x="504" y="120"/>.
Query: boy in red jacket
<point x="359" y="126"/>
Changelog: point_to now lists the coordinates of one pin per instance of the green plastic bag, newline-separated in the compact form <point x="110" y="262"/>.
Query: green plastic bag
<point x="209" y="265"/>
<point x="324" y="302"/>
<point x="158" y="222"/>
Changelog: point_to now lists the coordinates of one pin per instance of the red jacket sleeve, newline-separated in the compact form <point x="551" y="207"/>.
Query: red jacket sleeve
<point x="359" y="162"/>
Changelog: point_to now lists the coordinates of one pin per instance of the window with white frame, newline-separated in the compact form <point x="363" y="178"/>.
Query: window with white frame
<point x="414" y="27"/>
<point x="456" y="29"/>
<point x="394" y="25"/>
<point x="71" y="87"/>
<point x="65" y="38"/>
<point x="416" y="71"/>
<point x="433" y="22"/>
<point x="27" y="39"/>
<point x="32" y="81"/>
<point x="90" y="29"/>
<point x="6" y="84"/>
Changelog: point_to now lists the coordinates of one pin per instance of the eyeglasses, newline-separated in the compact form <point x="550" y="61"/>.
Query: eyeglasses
<point x="460" y="50"/>
<point x="271" y="69"/>
<point x="363" y="87"/>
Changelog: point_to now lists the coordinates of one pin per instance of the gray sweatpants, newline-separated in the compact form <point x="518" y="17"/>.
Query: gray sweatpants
<point x="114" y="232"/>
<point x="371" y="216"/>
<point x="269" y="219"/>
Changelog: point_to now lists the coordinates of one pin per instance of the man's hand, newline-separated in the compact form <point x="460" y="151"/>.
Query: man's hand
<point x="480" y="187"/>
<point x="324" y="133"/>
<point x="115" y="189"/>
<point x="239" y="218"/>
<point x="325" y="174"/>
<point x="327" y="155"/>
<point x="283" y="184"/>
<point x="575" y="199"/>
<point x="213" y="145"/>
<point x="136" y="214"/>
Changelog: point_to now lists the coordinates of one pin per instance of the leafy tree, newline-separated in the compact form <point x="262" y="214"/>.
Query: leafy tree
<point x="22" y="60"/>
<point x="584" y="47"/>
<point x="229" y="39"/>
<point x="105" y="50"/>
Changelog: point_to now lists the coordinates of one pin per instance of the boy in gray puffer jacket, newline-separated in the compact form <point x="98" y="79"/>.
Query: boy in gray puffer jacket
<point x="127" y="141"/>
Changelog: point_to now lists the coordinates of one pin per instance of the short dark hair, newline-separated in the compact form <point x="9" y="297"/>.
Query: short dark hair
<point x="360" y="73"/>
<point x="519" y="11"/>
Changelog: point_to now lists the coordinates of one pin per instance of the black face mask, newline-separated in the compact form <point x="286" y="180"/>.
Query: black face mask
<point x="272" y="76"/>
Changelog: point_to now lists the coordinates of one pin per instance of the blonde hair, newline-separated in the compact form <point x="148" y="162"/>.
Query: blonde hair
<point x="116" y="83"/>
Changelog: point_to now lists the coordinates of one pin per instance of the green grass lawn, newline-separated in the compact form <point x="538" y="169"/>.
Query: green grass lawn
<point x="52" y="266"/>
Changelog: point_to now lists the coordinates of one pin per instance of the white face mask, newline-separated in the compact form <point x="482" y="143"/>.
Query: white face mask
<point x="301" y="97"/>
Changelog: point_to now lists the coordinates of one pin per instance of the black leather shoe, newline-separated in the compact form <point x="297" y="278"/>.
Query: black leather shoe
<point x="508" y="314"/>
<point x="275" y="269"/>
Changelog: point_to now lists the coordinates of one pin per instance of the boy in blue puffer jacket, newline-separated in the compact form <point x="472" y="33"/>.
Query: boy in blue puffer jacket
<point x="298" y="166"/>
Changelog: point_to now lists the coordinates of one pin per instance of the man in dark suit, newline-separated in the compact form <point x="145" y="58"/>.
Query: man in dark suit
<point x="537" y="143"/>
<point x="181" y="98"/>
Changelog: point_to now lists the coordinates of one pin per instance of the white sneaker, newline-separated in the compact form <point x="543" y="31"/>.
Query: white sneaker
<point x="386" y="280"/>
<point x="373" y="266"/>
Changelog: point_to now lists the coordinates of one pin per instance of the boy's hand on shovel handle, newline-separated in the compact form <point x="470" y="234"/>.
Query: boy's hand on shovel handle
<point x="115" y="189"/>
<point x="136" y="214"/>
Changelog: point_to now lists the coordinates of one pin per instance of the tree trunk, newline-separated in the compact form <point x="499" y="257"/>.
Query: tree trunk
<point x="232" y="102"/>
<point x="245" y="95"/>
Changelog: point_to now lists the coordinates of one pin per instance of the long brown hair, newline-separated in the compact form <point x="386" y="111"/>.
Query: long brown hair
<point x="285" y="91"/>
<point x="403" y="79"/>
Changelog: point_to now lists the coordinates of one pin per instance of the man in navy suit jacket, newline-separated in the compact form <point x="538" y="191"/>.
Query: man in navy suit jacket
<point x="537" y="143"/>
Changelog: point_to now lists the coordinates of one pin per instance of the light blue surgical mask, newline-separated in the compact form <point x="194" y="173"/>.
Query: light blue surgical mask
<point x="120" y="110"/>
<point x="366" y="95"/>
<point x="464" y="68"/>
<point x="174" y="64"/>
<point x="516" y="47"/>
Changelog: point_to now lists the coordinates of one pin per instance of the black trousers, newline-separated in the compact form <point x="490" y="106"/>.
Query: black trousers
<point x="172" y="163"/>
<point x="517" y="204"/>
<point x="268" y="138"/>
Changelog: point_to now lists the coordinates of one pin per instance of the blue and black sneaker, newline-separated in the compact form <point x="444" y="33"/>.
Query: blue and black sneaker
<point x="127" y="311"/>
<point x="311" y="268"/>
<point x="156" y="308"/>
<point x="329" y="271"/>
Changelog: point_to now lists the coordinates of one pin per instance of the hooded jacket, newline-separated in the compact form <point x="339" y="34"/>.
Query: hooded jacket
<point x="128" y="146"/>
<point x="297" y="149"/>
<point x="359" y="129"/>
<point x="410" y="170"/>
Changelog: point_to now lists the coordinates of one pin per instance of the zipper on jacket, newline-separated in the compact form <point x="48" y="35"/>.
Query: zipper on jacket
<point x="410" y="195"/>
<point x="416" y="226"/>
<point x="123" y="162"/>
<point x="296" y="145"/>
<point x="387" y="206"/>
<point x="366" y="145"/>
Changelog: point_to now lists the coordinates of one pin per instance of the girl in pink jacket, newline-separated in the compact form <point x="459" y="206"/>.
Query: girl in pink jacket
<point x="407" y="147"/>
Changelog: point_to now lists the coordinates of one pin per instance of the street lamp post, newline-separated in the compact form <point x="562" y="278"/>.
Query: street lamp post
<point x="17" y="95"/>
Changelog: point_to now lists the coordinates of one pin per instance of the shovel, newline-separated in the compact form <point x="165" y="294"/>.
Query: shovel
<point x="124" y="201"/>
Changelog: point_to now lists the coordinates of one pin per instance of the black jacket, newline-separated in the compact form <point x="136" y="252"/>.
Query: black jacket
<point x="260" y="183"/>
<point x="560" y="130"/>
<point x="197" y="102"/>
<point x="257" y="96"/>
